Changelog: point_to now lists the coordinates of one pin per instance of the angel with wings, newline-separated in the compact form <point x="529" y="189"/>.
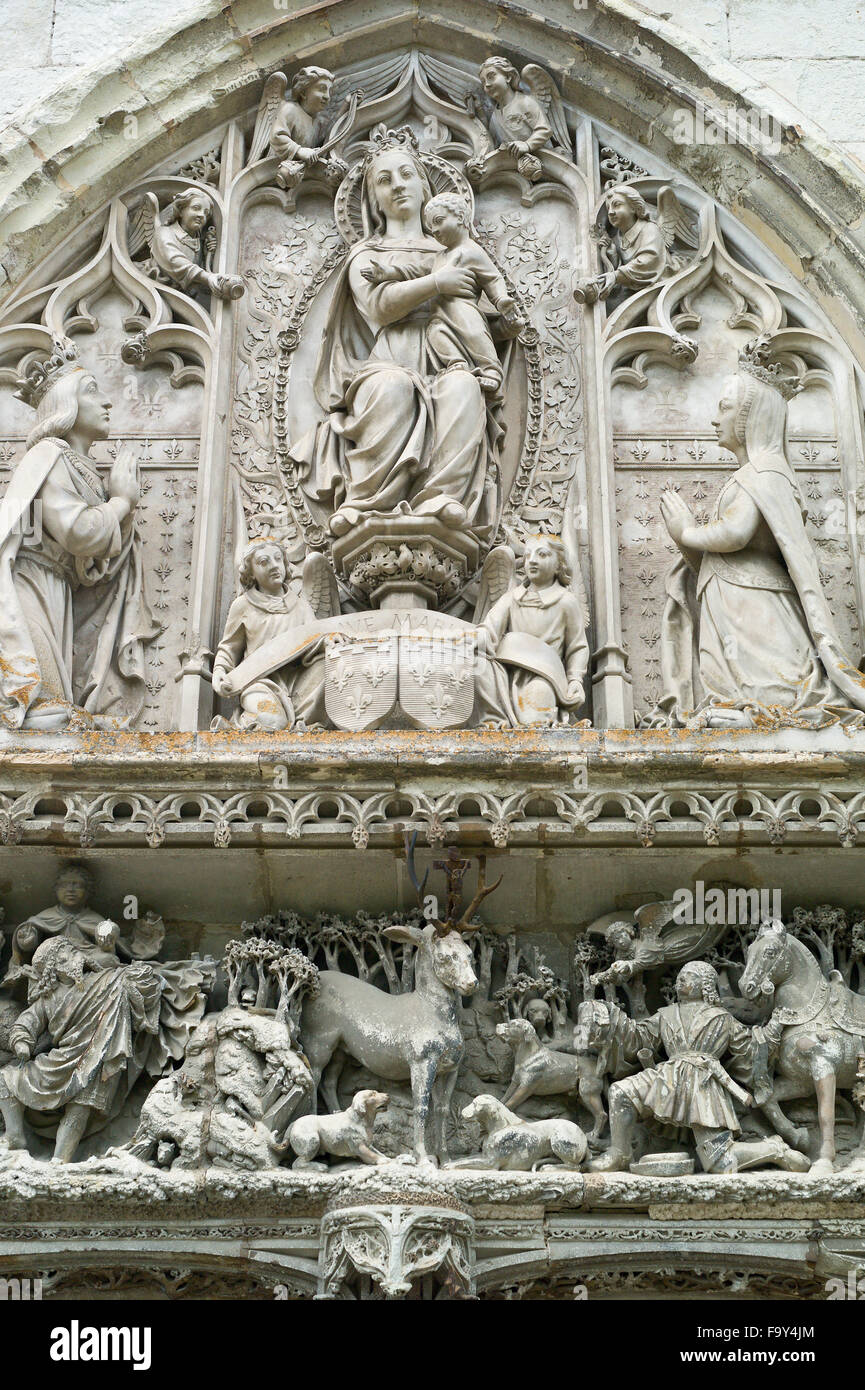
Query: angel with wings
<point x="656" y="940"/>
<point x="268" y="608"/>
<point x="181" y="241"/>
<point x="537" y="628"/>
<point x="640" y="251"/>
<point x="293" y="128"/>
<point x="523" y="122"/>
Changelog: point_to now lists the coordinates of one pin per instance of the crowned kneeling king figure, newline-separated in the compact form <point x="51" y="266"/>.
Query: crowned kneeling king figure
<point x="74" y="616"/>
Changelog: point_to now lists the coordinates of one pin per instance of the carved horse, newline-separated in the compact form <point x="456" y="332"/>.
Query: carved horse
<point x="822" y="1039"/>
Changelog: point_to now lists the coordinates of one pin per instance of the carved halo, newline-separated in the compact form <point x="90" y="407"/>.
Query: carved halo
<point x="443" y="177"/>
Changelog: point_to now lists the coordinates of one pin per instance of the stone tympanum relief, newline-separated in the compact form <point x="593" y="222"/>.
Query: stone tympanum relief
<point x="368" y="332"/>
<point x="297" y="130"/>
<point x="640" y="250"/>
<point x="521" y="123"/>
<point x="240" y="1082"/>
<point x="400" y="479"/>
<point x="345" y="1134"/>
<point x="695" y="1087"/>
<point x="267" y="613"/>
<point x="538" y="627"/>
<point x="389" y="1043"/>
<point x="711" y="317"/>
<point x="407" y="404"/>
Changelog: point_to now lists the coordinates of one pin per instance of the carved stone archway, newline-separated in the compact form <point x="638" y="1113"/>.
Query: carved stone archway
<point x="176" y="806"/>
<point x="71" y="153"/>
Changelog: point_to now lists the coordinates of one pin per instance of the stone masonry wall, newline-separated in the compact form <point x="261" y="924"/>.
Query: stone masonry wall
<point x="811" y="54"/>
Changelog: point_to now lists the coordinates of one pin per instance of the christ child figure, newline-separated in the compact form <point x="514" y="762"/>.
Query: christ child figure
<point x="458" y="334"/>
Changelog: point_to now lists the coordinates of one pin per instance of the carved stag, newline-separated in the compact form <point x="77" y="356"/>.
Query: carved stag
<point x="414" y="1036"/>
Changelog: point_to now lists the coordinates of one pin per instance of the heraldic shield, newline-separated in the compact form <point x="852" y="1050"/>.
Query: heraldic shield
<point x="436" y="679"/>
<point x="360" y="680"/>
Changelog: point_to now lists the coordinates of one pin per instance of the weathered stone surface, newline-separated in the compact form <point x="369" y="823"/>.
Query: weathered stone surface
<point x="483" y="483"/>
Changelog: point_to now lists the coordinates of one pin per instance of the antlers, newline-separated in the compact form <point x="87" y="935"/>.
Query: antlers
<point x="463" y="925"/>
<point x="454" y="868"/>
<point x="418" y="885"/>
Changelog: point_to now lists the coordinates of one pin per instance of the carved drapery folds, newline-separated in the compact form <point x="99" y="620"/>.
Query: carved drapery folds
<point x="409" y="463"/>
<point x="700" y="1032"/>
<point x="398" y="321"/>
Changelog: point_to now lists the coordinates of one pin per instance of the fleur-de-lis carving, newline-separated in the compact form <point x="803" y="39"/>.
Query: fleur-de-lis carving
<point x="358" y="701"/>
<point x="341" y="676"/>
<point x="375" y="673"/>
<point x="421" y="673"/>
<point x="439" y="702"/>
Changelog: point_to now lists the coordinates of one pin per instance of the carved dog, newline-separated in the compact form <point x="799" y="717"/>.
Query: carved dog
<point x="514" y="1144"/>
<point x="540" y="1071"/>
<point x="347" y="1134"/>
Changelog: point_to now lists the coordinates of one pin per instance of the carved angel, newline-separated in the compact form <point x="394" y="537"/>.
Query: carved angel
<point x="181" y="241"/>
<point x="537" y="628"/>
<point x="522" y="123"/>
<point x="294" y="128"/>
<point x="287" y="691"/>
<point x="640" y="251"/>
<point x="658" y="940"/>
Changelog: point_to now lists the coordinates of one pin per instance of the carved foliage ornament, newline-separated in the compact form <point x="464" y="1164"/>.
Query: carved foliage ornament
<point x="443" y="212"/>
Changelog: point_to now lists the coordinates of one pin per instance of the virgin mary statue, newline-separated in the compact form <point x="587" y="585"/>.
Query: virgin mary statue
<point x="401" y="433"/>
<point x="747" y="635"/>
